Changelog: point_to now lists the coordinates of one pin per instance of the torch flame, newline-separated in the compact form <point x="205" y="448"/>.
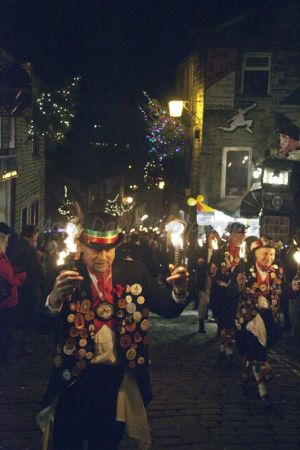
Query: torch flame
<point x="177" y="240"/>
<point x="242" y="250"/>
<point x="297" y="257"/>
<point x="200" y="242"/>
<point x="175" y="228"/>
<point x="71" y="231"/>
<point x="214" y="244"/>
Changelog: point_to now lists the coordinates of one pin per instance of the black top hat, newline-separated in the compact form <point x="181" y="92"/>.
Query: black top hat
<point x="5" y="229"/>
<point x="100" y="231"/>
<point x="236" y="227"/>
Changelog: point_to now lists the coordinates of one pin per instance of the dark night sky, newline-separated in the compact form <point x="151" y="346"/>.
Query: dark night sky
<point x="121" y="47"/>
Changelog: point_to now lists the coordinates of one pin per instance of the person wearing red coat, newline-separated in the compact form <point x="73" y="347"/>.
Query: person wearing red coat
<point x="9" y="282"/>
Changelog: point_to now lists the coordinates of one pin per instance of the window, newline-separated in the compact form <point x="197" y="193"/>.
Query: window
<point x="24" y="217"/>
<point x="256" y="74"/>
<point x="274" y="176"/>
<point x="12" y="132"/>
<point x="35" y="145"/>
<point x="35" y="212"/>
<point x="236" y="171"/>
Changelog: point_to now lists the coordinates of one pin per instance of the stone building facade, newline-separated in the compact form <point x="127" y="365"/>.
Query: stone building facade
<point x="22" y="160"/>
<point x="247" y="75"/>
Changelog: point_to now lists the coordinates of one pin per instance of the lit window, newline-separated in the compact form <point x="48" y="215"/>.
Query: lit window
<point x="236" y="171"/>
<point x="274" y="176"/>
<point x="12" y="132"/>
<point x="256" y="74"/>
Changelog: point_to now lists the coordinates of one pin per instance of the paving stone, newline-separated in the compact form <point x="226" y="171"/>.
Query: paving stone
<point x="197" y="404"/>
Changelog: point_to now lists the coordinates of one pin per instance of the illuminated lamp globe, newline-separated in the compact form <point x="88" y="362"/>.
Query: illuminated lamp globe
<point x="191" y="201"/>
<point x="200" y="198"/>
<point x="175" y="108"/>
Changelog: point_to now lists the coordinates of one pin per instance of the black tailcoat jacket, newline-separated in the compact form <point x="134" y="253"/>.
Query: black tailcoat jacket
<point x="135" y="294"/>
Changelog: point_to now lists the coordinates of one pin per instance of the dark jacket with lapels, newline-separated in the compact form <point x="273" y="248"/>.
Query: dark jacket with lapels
<point x="73" y="326"/>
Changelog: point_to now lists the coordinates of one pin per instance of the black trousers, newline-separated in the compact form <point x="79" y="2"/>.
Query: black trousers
<point x="6" y="335"/>
<point x="87" y="411"/>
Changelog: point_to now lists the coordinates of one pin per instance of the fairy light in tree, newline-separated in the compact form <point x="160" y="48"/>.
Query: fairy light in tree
<point x="165" y="134"/>
<point x="54" y="112"/>
<point x="153" y="173"/>
<point x="65" y="209"/>
<point x="117" y="208"/>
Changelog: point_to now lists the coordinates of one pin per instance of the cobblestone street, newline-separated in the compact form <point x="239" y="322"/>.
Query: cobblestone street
<point x="198" y="403"/>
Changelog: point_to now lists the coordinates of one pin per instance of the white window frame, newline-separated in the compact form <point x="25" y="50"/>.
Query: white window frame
<point x="257" y="68"/>
<point x="223" y="176"/>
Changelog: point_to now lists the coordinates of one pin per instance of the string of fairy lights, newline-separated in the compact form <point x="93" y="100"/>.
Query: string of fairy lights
<point x="165" y="137"/>
<point x="65" y="209"/>
<point x="116" y="207"/>
<point x="54" y="112"/>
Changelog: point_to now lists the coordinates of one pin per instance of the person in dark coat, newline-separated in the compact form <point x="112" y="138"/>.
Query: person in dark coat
<point x="204" y="256"/>
<point x="100" y="309"/>
<point x="10" y="279"/>
<point x="24" y="255"/>
<point x="290" y="302"/>
<point x="225" y="289"/>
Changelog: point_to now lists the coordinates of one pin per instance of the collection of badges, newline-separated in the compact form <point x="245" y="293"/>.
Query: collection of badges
<point x="131" y="317"/>
<point x="270" y="290"/>
<point x="132" y="326"/>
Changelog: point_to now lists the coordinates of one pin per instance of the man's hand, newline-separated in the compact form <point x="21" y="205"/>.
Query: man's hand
<point x="65" y="284"/>
<point x="179" y="278"/>
<point x="241" y="280"/>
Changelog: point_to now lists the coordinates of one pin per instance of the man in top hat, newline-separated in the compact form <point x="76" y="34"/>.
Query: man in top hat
<point x="257" y="321"/>
<point x="225" y="289"/>
<point x="101" y="366"/>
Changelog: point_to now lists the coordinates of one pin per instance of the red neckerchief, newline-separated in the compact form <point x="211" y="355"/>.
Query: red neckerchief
<point x="265" y="281"/>
<point x="105" y="287"/>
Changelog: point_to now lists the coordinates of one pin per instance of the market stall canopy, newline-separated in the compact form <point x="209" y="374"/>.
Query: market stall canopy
<point x="251" y="204"/>
<point x="229" y="206"/>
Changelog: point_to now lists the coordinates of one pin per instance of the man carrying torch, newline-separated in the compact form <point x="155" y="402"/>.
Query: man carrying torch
<point x="257" y="321"/>
<point x="100" y="378"/>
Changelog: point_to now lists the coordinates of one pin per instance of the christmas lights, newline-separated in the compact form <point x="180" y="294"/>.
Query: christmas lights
<point x="53" y="113"/>
<point x="66" y="209"/>
<point x="116" y="208"/>
<point x="165" y="134"/>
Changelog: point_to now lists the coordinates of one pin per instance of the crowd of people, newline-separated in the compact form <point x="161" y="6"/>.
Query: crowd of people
<point x="249" y="284"/>
<point x="97" y="309"/>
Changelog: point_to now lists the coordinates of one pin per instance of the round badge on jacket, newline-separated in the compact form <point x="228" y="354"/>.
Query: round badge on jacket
<point x="104" y="311"/>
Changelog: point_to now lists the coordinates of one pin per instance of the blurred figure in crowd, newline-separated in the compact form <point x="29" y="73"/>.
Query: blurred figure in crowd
<point x="24" y="255"/>
<point x="225" y="289"/>
<point x="291" y="301"/>
<point x="204" y="257"/>
<point x="9" y="282"/>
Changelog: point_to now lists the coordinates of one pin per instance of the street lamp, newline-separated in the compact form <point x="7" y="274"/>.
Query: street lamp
<point x="176" y="108"/>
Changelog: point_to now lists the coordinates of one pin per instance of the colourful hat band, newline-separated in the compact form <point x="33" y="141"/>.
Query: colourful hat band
<point x="100" y="237"/>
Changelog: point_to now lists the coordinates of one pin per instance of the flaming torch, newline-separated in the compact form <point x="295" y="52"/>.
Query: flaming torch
<point x="214" y="244"/>
<point x="242" y="255"/>
<point x="296" y="279"/>
<point x="67" y="255"/>
<point x="175" y="228"/>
